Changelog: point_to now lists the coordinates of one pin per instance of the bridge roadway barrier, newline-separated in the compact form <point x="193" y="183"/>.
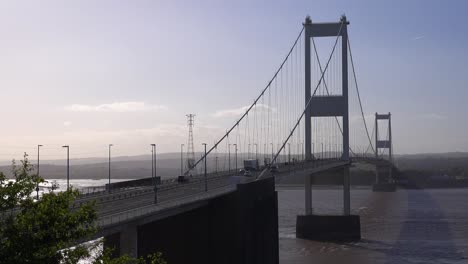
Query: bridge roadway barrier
<point x="130" y="194"/>
<point x="229" y="224"/>
<point x="119" y="205"/>
<point x="117" y="199"/>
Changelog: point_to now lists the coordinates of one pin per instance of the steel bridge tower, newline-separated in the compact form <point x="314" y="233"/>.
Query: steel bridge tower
<point x="384" y="171"/>
<point x="327" y="106"/>
<point x="387" y="143"/>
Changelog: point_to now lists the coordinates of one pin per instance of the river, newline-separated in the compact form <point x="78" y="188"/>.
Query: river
<point x="407" y="226"/>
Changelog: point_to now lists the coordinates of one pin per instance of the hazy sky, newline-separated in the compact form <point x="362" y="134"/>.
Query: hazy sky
<point x="90" y="73"/>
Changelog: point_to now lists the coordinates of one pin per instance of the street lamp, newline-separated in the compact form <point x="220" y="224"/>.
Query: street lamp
<point x="37" y="183"/>
<point x="289" y="152"/>
<point x="216" y="159"/>
<point x="313" y="150"/>
<point x="153" y="165"/>
<point x="235" y="145"/>
<point x="302" y="149"/>
<point x="256" y="151"/>
<point x="229" y="157"/>
<point x="110" y="145"/>
<point x="206" y="182"/>
<point x="68" y="165"/>
<point x="181" y="159"/>
<point x="272" y="155"/>
<point x="297" y="151"/>
<point x="321" y="156"/>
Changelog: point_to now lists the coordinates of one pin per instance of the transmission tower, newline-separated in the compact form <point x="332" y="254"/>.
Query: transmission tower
<point x="190" y="148"/>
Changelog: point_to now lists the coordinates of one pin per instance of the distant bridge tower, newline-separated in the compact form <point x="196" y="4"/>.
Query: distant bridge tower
<point x="190" y="148"/>
<point x="384" y="178"/>
<point x="386" y="143"/>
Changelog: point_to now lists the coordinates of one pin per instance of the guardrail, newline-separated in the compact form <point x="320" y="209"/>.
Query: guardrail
<point x="151" y="209"/>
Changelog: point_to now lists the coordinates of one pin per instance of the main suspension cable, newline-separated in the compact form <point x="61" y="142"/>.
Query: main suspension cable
<point x="251" y="106"/>
<point x="358" y="94"/>
<point x="306" y="107"/>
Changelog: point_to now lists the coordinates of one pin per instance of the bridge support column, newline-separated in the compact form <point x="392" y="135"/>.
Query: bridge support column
<point x="308" y="195"/>
<point x="123" y="243"/>
<point x="346" y="192"/>
<point x="129" y="242"/>
<point x="384" y="180"/>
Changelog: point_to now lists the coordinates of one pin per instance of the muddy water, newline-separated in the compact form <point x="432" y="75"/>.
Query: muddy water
<point x="408" y="226"/>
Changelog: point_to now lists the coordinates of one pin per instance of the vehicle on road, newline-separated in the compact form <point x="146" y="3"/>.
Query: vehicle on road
<point x="273" y="168"/>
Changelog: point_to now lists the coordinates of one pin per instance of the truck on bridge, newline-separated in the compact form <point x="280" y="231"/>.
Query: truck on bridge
<point x="251" y="165"/>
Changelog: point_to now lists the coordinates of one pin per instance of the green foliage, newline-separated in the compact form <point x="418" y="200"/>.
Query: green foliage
<point x="45" y="231"/>
<point x="38" y="231"/>
<point x="105" y="258"/>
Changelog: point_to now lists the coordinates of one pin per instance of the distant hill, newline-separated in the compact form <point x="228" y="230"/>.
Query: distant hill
<point x="168" y="165"/>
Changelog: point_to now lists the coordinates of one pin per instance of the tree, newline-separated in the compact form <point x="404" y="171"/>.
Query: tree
<point x="46" y="230"/>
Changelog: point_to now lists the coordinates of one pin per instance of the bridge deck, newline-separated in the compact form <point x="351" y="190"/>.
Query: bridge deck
<point x="135" y="204"/>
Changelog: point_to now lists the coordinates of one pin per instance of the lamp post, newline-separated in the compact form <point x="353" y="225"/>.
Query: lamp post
<point x="229" y="157"/>
<point x="181" y="159"/>
<point x="279" y="151"/>
<point x="321" y="156"/>
<point x="37" y="183"/>
<point x="313" y="150"/>
<point x="272" y="155"/>
<point x="206" y="181"/>
<point x="68" y="165"/>
<point x="289" y="152"/>
<point x="248" y="151"/>
<point x="235" y="145"/>
<point x="216" y="159"/>
<point x="153" y="153"/>
<point x="110" y="145"/>
<point x="297" y="151"/>
<point x="256" y="151"/>
<point x="302" y="149"/>
<point x="152" y="163"/>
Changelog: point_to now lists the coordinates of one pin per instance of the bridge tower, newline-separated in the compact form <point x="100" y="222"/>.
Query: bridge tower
<point x="327" y="106"/>
<point x="340" y="227"/>
<point x="386" y="143"/>
<point x="384" y="178"/>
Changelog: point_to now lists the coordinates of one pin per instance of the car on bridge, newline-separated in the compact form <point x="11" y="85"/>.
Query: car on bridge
<point x="273" y="168"/>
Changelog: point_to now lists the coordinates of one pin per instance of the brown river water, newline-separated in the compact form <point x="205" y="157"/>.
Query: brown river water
<point x="408" y="226"/>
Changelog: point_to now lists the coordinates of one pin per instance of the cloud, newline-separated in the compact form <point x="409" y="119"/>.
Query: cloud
<point x="434" y="116"/>
<point x="116" y="107"/>
<point x="418" y="38"/>
<point x="241" y="110"/>
<point x="67" y="123"/>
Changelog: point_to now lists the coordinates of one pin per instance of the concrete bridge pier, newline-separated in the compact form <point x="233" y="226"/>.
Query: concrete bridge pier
<point x="240" y="226"/>
<point x="383" y="179"/>
<point x="345" y="227"/>
<point x="124" y="242"/>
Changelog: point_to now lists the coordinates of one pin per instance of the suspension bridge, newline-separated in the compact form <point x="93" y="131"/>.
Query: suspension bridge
<point x="308" y="118"/>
